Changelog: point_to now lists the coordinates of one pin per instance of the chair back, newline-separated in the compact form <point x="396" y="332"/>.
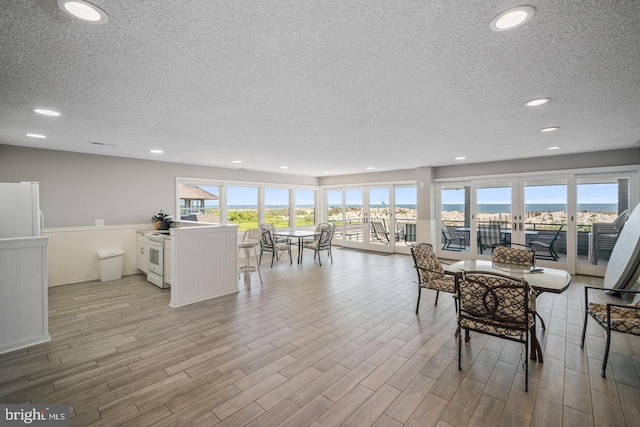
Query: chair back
<point x="379" y="231"/>
<point x="525" y="256"/>
<point x="266" y="240"/>
<point x="619" y="222"/>
<point x="445" y="232"/>
<point x="326" y="235"/>
<point x="252" y="234"/>
<point x="490" y="234"/>
<point x="495" y="300"/>
<point x="426" y="262"/>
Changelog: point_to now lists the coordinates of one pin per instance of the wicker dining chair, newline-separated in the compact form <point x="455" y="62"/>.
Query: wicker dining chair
<point x="618" y="317"/>
<point x="497" y="305"/>
<point x="431" y="274"/>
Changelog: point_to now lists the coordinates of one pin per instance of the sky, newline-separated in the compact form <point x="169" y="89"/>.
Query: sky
<point x="587" y="193"/>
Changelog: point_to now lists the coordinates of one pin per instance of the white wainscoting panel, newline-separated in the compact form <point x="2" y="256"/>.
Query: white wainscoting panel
<point x="23" y="293"/>
<point x="204" y="263"/>
<point x="73" y="252"/>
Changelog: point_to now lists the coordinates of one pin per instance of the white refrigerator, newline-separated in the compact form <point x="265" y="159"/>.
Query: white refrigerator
<point x="23" y="268"/>
<point x="20" y="214"/>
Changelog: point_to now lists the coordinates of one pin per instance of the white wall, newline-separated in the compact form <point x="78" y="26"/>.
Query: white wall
<point x="76" y="189"/>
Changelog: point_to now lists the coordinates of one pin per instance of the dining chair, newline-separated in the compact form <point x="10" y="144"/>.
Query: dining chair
<point x="268" y="244"/>
<point x="272" y="229"/>
<point x="618" y="317"/>
<point x="547" y="246"/>
<point x="497" y="305"/>
<point x="449" y="238"/>
<point x="514" y="254"/>
<point x="431" y="274"/>
<point x="321" y="243"/>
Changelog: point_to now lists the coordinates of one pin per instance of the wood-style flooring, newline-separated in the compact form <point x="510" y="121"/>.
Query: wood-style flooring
<point x="337" y="345"/>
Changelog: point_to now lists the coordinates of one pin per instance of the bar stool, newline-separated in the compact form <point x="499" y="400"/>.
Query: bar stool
<point x="247" y="245"/>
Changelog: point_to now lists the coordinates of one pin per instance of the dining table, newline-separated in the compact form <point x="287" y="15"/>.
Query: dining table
<point x="541" y="280"/>
<point x="300" y="235"/>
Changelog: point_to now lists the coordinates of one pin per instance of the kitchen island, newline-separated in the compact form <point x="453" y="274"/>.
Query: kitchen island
<point x="203" y="262"/>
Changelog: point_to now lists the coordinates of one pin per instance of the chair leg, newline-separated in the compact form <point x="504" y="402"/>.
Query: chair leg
<point x="459" y="348"/>
<point x="586" y="316"/>
<point x="273" y="255"/>
<point x="330" y="255"/>
<point x="541" y="321"/>
<point x="526" y="363"/>
<point x="437" y="295"/>
<point x="319" y="257"/>
<point x="606" y="353"/>
<point x="419" y="292"/>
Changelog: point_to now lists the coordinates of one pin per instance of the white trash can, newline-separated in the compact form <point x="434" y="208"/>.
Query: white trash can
<point x="110" y="264"/>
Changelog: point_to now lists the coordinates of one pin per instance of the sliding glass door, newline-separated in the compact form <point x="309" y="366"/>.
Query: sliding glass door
<point x="572" y="220"/>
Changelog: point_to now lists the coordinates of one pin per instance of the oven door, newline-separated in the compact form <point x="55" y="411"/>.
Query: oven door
<point x="155" y="273"/>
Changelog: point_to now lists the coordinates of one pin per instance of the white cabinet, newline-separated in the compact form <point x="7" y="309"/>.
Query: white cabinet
<point x="168" y="260"/>
<point x="142" y="248"/>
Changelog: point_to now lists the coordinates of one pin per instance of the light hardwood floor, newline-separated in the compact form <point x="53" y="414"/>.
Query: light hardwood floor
<point x="333" y="345"/>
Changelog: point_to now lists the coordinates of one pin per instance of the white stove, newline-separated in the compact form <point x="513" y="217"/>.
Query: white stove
<point x="155" y="267"/>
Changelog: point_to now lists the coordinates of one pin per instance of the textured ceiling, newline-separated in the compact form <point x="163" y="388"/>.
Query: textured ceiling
<point x="321" y="86"/>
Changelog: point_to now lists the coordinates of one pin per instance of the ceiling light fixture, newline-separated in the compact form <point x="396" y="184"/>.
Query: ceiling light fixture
<point x="236" y="161"/>
<point x="537" y="101"/>
<point x="157" y="151"/>
<point x="370" y="168"/>
<point x="549" y="129"/>
<point x="84" y="11"/>
<point x="45" y="112"/>
<point x="284" y="167"/>
<point x="512" y="18"/>
<point x="553" y="148"/>
<point x="460" y="158"/>
<point x="36" y="135"/>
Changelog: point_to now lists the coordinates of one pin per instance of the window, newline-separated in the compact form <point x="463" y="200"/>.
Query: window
<point x="200" y="203"/>
<point x="305" y="208"/>
<point x="276" y="207"/>
<point x="242" y="207"/>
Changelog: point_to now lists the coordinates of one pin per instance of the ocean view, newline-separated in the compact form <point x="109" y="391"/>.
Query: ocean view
<point x="537" y="207"/>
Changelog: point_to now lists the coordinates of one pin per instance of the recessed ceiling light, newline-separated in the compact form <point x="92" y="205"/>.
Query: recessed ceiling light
<point x="284" y="167"/>
<point x="370" y="168"/>
<point x="512" y="18"/>
<point x="553" y="148"/>
<point x="36" y="135"/>
<point x="84" y="11"/>
<point x="236" y="161"/>
<point x="157" y="151"/>
<point x="46" y="112"/>
<point x="460" y="158"/>
<point x="549" y="129"/>
<point x="537" y="101"/>
<point x="325" y="172"/>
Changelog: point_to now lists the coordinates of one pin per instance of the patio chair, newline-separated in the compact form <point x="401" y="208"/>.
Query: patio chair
<point x="619" y="317"/>
<point x="497" y="305"/>
<point x="449" y="238"/>
<point x="605" y="235"/>
<point x="268" y="244"/>
<point x="321" y="243"/>
<point x="431" y="274"/>
<point x="489" y="235"/>
<point x="379" y="231"/>
<point x="546" y="246"/>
